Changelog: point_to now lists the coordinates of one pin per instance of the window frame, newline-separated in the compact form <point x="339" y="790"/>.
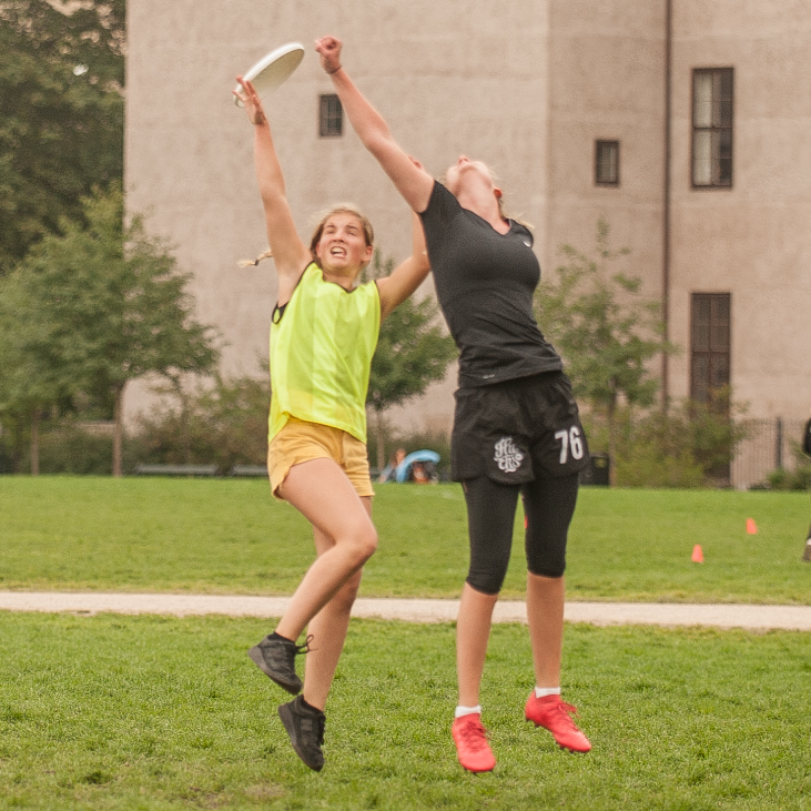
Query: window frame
<point x="330" y="116"/>
<point x="599" y="145"/>
<point x="719" y="134"/>
<point x="717" y="354"/>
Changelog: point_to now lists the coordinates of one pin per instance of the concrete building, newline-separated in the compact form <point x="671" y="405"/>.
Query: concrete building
<point x="686" y="124"/>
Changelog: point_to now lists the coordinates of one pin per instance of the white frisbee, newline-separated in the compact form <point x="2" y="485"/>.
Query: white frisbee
<point x="273" y="70"/>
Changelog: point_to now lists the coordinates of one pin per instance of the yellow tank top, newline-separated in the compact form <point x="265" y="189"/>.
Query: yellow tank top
<point x="321" y="352"/>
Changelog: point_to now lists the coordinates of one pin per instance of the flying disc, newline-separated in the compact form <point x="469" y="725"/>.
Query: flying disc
<point x="273" y="69"/>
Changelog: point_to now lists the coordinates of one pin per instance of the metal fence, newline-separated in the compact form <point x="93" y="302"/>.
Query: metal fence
<point x="770" y="444"/>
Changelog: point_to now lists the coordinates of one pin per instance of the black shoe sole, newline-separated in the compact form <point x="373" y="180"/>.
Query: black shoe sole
<point x="286" y="714"/>
<point x="292" y="687"/>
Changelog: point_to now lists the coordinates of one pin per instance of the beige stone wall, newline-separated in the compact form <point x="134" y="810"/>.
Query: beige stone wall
<point x="526" y="86"/>
<point x="607" y="83"/>
<point x="752" y="240"/>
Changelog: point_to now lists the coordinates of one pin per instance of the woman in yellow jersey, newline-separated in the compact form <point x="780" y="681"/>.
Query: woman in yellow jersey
<point x="323" y="335"/>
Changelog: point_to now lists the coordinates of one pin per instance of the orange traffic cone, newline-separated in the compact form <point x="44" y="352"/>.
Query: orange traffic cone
<point x="751" y="526"/>
<point x="698" y="555"/>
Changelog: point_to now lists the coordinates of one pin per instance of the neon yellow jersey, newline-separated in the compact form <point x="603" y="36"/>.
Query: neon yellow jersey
<point x="321" y="352"/>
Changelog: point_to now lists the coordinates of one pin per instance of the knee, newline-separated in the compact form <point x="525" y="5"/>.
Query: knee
<point x="553" y="568"/>
<point x="364" y="544"/>
<point x="549" y="571"/>
<point x="488" y="581"/>
<point x="490" y="588"/>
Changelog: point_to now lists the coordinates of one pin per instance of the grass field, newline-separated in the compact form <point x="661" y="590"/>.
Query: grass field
<point x="154" y="714"/>
<point x="229" y="536"/>
<point x="112" y="713"/>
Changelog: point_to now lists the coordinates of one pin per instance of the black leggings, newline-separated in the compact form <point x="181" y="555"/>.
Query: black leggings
<point x="548" y="506"/>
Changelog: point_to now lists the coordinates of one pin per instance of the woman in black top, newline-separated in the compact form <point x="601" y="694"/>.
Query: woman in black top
<point x="516" y="426"/>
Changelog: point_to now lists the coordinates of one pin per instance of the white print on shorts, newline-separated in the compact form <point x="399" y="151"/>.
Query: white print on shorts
<point x="570" y="440"/>
<point x="508" y="456"/>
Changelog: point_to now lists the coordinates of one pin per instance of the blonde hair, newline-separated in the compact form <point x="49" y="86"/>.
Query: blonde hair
<point x="339" y="208"/>
<point x="246" y="263"/>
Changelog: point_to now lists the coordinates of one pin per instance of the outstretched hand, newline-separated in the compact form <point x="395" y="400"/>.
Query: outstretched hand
<point x="330" y="50"/>
<point x="250" y="101"/>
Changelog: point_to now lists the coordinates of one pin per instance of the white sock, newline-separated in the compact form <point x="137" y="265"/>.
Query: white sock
<point x="460" y="711"/>
<point x="540" y="692"/>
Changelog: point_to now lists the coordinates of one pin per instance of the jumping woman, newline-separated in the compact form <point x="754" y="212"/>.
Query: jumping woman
<point x="516" y="427"/>
<point x="323" y="334"/>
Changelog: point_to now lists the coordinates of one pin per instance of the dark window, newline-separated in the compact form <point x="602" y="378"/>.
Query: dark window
<point x="712" y="127"/>
<point x="709" y="345"/>
<point x="607" y="163"/>
<point x="330" y="116"/>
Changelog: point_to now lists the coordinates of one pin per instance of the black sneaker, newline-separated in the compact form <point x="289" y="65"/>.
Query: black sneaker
<point x="305" y="726"/>
<point x="276" y="659"/>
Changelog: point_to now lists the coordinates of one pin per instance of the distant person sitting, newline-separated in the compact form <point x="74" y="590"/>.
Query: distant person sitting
<point x="419" y="474"/>
<point x="424" y="473"/>
<point x="389" y="473"/>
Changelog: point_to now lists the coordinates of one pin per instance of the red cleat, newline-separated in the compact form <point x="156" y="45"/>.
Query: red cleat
<point x="555" y="715"/>
<point x="472" y="749"/>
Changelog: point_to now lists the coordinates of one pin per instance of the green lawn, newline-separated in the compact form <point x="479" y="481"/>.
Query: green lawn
<point x="113" y="713"/>
<point x="230" y="536"/>
<point x="150" y="713"/>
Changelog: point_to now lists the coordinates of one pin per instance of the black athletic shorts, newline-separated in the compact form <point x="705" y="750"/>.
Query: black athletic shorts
<point x="518" y="431"/>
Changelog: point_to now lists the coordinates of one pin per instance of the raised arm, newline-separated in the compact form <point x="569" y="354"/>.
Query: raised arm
<point x="408" y="276"/>
<point x="411" y="180"/>
<point x="290" y="254"/>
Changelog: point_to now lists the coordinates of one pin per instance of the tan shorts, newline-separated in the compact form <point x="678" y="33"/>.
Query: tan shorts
<point x="301" y="441"/>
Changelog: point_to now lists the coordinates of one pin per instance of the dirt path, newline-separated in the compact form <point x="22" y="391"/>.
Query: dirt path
<point x="755" y="617"/>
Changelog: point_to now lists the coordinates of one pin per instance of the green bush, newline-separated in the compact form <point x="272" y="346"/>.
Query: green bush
<point x="690" y="446"/>
<point x="226" y="426"/>
<point x="653" y="450"/>
<point x="647" y="467"/>
<point x="797" y="479"/>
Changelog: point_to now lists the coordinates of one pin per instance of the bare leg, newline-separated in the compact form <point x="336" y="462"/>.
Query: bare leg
<point x="545" y="598"/>
<point x="328" y="628"/>
<point x="472" y="635"/>
<point x="321" y="492"/>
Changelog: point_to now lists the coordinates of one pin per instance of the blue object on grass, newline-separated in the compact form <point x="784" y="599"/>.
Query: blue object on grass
<point x="404" y="468"/>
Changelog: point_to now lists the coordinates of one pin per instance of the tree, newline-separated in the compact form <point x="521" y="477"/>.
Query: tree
<point x="107" y="304"/>
<point x="412" y="352"/>
<point x="606" y="333"/>
<point x="29" y="384"/>
<point x="62" y="123"/>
